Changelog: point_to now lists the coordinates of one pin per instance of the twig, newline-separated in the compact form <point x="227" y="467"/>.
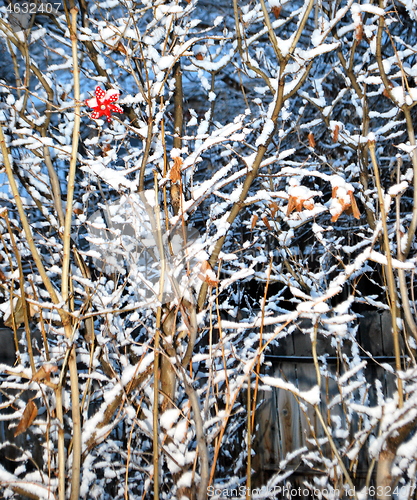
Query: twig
<point x="390" y="274"/>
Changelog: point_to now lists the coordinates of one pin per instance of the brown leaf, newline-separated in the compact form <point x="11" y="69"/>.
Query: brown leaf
<point x="207" y="275"/>
<point x="121" y="48"/>
<point x="266" y="222"/>
<point x="2" y="277"/>
<point x="292" y="204"/>
<point x="175" y="172"/>
<point x="28" y="417"/>
<point x="199" y="56"/>
<point x="44" y="372"/>
<point x="78" y="211"/>
<point x="336" y="133"/>
<point x="254" y="221"/>
<point x="359" y="30"/>
<point x="276" y="10"/>
<point x="105" y="149"/>
<point x="386" y="94"/>
<point x="17" y="314"/>
<point x="311" y="140"/>
<point x="355" y="209"/>
<point x="308" y="204"/>
<point x="273" y="207"/>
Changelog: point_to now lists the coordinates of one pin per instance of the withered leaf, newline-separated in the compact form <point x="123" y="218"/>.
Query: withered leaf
<point x="266" y="222"/>
<point x="355" y="209"/>
<point x="336" y="133"/>
<point x="207" y="274"/>
<point x="44" y="372"/>
<point x="175" y="172"/>
<point x="274" y="208"/>
<point x="121" y="48"/>
<point x="276" y="10"/>
<point x="28" y="417"/>
<point x="17" y="314"/>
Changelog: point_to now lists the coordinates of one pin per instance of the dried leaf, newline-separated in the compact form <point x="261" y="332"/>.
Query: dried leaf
<point x="308" y="204"/>
<point x="355" y="209"/>
<point x="105" y="149"/>
<point x="274" y="208"/>
<point x="199" y="56"/>
<point x="292" y="203"/>
<point x="175" y="172"/>
<point x="121" y="48"/>
<point x="44" y="372"/>
<point x="336" y="215"/>
<point x="28" y="417"/>
<point x="266" y="222"/>
<point x="276" y="10"/>
<point x="78" y="211"/>
<point x="17" y="314"/>
<point x="336" y="133"/>
<point x="254" y="221"/>
<point x="207" y="275"/>
<point x="359" y="29"/>
<point x="311" y="140"/>
<point x="205" y="266"/>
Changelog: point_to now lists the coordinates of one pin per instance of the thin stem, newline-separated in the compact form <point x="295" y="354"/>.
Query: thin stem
<point x="155" y="411"/>
<point x="249" y="443"/>
<point x="336" y="452"/>
<point x="65" y="285"/>
<point x="390" y="274"/>
<point x="25" y="223"/>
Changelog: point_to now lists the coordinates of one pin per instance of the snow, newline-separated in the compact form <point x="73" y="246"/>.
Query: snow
<point x="396" y="264"/>
<point x="166" y="62"/>
<point x="169" y="418"/>
<point x="267" y="130"/>
<point x="311" y="396"/>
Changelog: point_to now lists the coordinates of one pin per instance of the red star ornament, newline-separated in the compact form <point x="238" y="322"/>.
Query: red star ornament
<point x="102" y="103"/>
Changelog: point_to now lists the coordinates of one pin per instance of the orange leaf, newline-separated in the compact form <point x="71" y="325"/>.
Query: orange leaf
<point x="175" y="172"/>
<point x="355" y="209"/>
<point x="336" y="133"/>
<point x="266" y="222"/>
<point x="308" y="204"/>
<point x="337" y="215"/>
<point x="199" y="56"/>
<point x="207" y="275"/>
<point x="274" y="208"/>
<point x="28" y="417"/>
<point x="254" y="221"/>
<point x="292" y="204"/>
<point x="311" y="140"/>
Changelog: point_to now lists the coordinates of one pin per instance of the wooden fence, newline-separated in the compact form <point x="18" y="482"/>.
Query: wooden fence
<point x="284" y="427"/>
